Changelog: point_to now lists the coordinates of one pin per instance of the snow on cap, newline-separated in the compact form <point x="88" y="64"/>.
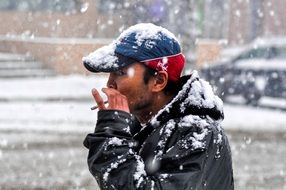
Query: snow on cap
<point x="147" y="43"/>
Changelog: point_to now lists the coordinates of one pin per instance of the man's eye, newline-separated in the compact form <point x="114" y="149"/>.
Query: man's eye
<point x="120" y="73"/>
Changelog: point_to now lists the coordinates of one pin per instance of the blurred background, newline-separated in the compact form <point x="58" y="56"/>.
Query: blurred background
<point x="239" y="46"/>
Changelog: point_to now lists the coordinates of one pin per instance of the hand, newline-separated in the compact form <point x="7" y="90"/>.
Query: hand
<point x="116" y="100"/>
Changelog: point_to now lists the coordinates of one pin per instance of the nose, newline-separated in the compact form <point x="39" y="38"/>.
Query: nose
<point x="111" y="82"/>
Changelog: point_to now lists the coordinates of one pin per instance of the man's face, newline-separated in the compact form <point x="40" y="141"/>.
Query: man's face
<point x="129" y="82"/>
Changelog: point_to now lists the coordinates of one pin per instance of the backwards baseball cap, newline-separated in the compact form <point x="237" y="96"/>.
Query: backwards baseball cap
<point x="147" y="43"/>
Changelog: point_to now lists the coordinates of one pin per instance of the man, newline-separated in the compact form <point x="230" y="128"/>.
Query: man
<point x="159" y="130"/>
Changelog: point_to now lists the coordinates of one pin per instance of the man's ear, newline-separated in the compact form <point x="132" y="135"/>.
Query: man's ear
<point x="160" y="81"/>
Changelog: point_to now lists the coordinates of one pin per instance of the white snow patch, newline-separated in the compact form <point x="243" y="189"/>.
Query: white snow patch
<point x="165" y="132"/>
<point x="145" y="31"/>
<point x="103" y="57"/>
<point x="201" y="95"/>
<point x="130" y="72"/>
<point x="127" y="129"/>
<point x="198" y="139"/>
<point x="84" y="7"/>
<point x="140" y="171"/>
<point x="164" y="176"/>
<point x="219" y="139"/>
<point x="191" y="120"/>
<point x="113" y="166"/>
<point x="115" y="141"/>
<point x="152" y="185"/>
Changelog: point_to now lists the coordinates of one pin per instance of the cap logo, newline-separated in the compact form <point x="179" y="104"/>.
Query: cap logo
<point x="162" y="64"/>
<point x="173" y="65"/>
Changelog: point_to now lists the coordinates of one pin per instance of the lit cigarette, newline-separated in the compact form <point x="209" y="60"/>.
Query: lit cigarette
<point x="95" y="107"/>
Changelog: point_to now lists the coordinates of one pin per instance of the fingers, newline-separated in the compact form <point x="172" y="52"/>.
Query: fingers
<point x="98" y="99"/>
<point x="116" y="100"/>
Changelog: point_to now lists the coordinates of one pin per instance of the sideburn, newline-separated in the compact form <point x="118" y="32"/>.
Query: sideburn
<point x="148" y="73"/>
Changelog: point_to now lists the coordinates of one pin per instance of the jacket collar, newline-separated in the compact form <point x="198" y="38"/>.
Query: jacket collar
<point x="195" y="98"/>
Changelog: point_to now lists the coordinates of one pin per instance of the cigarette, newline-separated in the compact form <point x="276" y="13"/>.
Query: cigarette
<point x="95" y="107"/>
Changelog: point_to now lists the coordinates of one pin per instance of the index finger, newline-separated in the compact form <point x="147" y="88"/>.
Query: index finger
<point x="98" y="99"/>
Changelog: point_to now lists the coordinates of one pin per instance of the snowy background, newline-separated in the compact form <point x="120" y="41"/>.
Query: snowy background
<point x="44" y="119"/>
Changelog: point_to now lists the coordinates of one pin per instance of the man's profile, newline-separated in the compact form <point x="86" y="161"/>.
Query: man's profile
<point x="159" y="130"/>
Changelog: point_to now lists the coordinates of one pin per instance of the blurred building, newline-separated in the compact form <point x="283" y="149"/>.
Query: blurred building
<point x="60" y="32"/>
<point x="249" y="19"/>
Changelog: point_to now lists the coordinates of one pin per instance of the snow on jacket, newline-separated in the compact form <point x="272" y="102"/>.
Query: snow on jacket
<point x="182" y="147"/>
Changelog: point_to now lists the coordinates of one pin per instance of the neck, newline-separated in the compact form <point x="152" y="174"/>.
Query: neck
<point x="145" y="115"/>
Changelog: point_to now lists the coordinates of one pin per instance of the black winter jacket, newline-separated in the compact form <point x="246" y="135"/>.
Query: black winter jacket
<point x="182" y="147"/>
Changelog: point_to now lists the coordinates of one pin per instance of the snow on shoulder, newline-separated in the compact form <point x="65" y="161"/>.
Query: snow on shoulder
<point x="196" y="92"/>
<point x="200" y="94"/>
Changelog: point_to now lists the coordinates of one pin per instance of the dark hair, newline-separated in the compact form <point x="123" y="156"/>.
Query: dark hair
<point x="172" y="88"/>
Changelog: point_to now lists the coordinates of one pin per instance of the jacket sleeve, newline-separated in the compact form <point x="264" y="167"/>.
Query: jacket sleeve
<point x="112" y="159"/>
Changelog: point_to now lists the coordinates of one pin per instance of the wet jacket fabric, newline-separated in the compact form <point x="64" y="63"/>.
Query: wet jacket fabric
<point x="182" y="147"/>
